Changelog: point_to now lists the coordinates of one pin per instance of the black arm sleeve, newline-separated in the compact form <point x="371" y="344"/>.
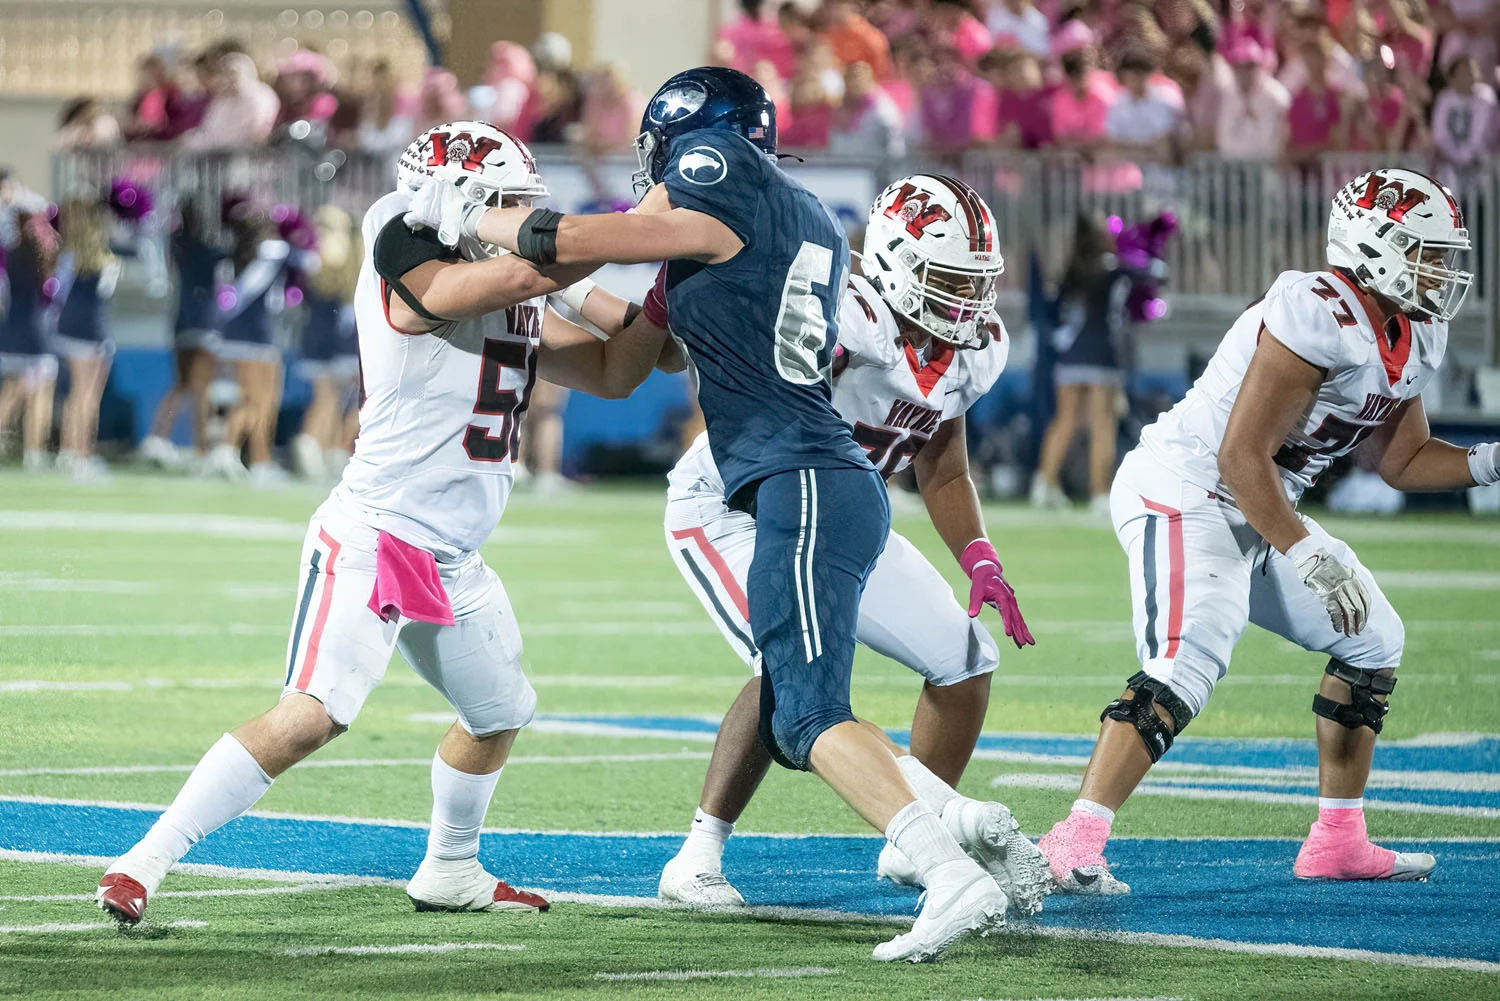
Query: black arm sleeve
<point x="398" y="249"/>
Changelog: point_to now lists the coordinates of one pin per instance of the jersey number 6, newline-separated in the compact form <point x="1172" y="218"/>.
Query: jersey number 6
<point x="801" y="327"/>
<point x="507" y="404"/>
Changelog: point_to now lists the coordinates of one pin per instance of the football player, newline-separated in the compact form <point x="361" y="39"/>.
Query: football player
<point x="756" y="265"/>
<point x="918" y="344"/>
<point x="391" y="557"/>
<point x="1205" y="508"/>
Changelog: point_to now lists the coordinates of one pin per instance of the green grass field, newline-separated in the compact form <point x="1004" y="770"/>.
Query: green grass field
<point x="141" y="619"/>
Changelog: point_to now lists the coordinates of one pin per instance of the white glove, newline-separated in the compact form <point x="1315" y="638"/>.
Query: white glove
<point x="441" y="206"/>
<point x="1337" y="586"/>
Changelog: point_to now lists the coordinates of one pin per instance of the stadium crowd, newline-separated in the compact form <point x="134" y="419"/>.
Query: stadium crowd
<point x="1251" y="79"/>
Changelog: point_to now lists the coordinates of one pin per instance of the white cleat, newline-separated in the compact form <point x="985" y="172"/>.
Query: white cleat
<point x="698" y="886"/>
<point x="268" y="476"/>
<point x="896" y="867"/>
<point x="991" y="836"/>
<point x="950" y="911"/>
<point x="224" y="461"/>
<point x="1412" y="867"/>
<point x="464" y="885"/>
<point x="1092" y="881"/>
<point x="158" y="451"/>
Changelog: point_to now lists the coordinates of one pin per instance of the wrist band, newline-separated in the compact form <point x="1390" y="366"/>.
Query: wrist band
<point x="1303" y="548"/>
<point x="574" y="294"/>
<point x="536" y="241"/>
<point x="981" y="550"/>
<point x="1484" y="464"/>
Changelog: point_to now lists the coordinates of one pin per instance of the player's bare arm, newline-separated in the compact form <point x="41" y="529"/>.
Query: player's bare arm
<point x="612" y="369"/>
<point x="1412" y="459"/>
<point x="656" y="231"/>
<point x="1278" y="388"/>
<point x="459" y="290"/>
<point x="942" y="468"/>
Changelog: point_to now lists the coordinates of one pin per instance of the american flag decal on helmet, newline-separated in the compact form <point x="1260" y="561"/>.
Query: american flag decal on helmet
<point x="755" y="132"/>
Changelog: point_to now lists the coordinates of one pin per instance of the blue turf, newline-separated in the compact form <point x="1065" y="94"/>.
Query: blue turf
<point x="1240" y="890"/>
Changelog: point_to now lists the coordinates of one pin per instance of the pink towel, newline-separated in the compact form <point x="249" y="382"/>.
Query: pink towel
<point x="407" y="584"/>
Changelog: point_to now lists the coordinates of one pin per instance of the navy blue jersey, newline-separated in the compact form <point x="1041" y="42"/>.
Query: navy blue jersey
<point x="254" y="313"/>
<point x="197" y="264"/>
<point x="82" y="317"/>
<point x="760" y="328"/>
<point x="21" y="330"/>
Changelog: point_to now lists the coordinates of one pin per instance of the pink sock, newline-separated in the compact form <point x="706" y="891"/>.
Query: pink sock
<point x="1338" y="846"/>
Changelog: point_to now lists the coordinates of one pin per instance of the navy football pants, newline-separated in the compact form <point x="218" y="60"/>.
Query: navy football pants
<point x="818" y="533"/>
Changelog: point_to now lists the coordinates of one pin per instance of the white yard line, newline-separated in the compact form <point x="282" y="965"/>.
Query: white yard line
<point x="1439" y="580"/>
<point x="538" y="629"/>
<point x="794" y="971"/>
<point x="1057" y="780"/>
<point x="55" y="928"/>
<point x="253" y="891"/>
<point x="523" y="759"/>
<point x="409" y="948"/>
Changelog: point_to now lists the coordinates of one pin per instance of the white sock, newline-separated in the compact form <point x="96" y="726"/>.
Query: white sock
<point x="918" y="833"/>
<point x="1327" y="803"/>
<point x="705" y="840"/>
<point x="928" y="787"/>
<point x="459" y="803"/>
<point x="1099" y="810"/>
<point x="226" y="782"/>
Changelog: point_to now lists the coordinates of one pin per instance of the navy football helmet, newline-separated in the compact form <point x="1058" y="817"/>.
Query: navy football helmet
<point x="708" y="97"/>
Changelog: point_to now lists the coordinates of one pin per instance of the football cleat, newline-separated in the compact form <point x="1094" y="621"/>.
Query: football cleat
<point x="991" y="836"/>
<point x="697" y="885"/>
<point x="896" y="867"/>
<point x="1074" y="850"/>
<point x="1327" y="856"/>
<point x="464" y="885"/>
<point x="122" y="898"/>
<point x="964" y="903"/>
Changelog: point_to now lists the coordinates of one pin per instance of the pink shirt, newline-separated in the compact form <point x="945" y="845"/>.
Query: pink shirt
<point x="957" y="113"/>
<point x="1312" y="117"/>
<point x="1075" y="117"/>
<point x="1253" y="126"/>
<point x="754" y="40"/>
<point x="971" y="38"/>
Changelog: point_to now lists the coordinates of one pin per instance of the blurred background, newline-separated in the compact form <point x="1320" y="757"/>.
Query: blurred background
<point x="182" y="182"/>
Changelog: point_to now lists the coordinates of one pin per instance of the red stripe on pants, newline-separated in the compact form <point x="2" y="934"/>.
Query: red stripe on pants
<point x="732" y="586"/>
<point x="310" y="660"/>
<point x="1177" y="572"/>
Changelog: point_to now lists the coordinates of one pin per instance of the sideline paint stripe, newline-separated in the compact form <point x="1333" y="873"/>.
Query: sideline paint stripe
<point x="252" y="891"/>
<point x="795" y="971"/>
<point x="237" y="527"/>
<point x="408" y="948"/>
<point x="548" y="629"/>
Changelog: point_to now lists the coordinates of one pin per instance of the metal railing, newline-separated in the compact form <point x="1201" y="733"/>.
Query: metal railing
<point x="1241" y="223"/>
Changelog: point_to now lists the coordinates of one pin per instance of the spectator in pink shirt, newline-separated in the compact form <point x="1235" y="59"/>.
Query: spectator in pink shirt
<point x="611" y="110"/>
<point x="812" y="102"/>
<point x="1023" y="21"/>
<point x="1143" y="122"/>
<point x="867" y="123"/>
<point x="957" y="108"/>
<point x="954" y="22"/>
<point x="304" y="83"/>
<point x="1023" y="117"/>
<point x="1252" y="19"/>
<point x="1341" y="71"/>
<point x="1403" y="27"/>
<point x="1389" y="120"/>
<point x="242" y="110"/>
<point x="511" y="75"/>
<point x="753" y="37"/>
<point x="1081" y="105"/>
<point x="1316" y="117"/>
<point x="440" y="100"/>
<point x="1464" y="118"/>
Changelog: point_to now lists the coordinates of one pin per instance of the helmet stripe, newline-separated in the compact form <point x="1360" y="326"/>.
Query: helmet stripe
<point x="980" y="237"/>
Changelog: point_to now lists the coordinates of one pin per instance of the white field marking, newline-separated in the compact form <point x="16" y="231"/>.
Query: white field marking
<point x="253" y="891"/>
<point x="588" y="608"/>
<point x="238" y="527"/>
<point x="120" y="629"/>
<point x="407" y="948"/>
<point x="792" y="971"/>
<point x="1157" y="998"/>
<point x="1443" y="738"/>
<point x="1440" y="580"/>
<point x="1151" y="787"/>
<point x="1406" y="531"/>
<point x="1267" y="948"/>
<point x="612" y="730"/>
<point x="61" y="929"/>
<point x="26" y="581"/>
<point x="64" y="686"/>
<point x="532" y="759"/>
<point x="1489" y="655"/>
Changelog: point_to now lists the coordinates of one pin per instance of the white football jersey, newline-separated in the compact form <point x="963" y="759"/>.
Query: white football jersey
<point x="894" y="398"/>
<point x="1324" y="319"/>
<point x="441" y="414"/>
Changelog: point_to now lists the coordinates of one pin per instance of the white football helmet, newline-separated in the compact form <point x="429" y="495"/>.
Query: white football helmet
<point x="487" y="162"/>
<point x="930" y="252"/>
<point x="1399" y="233"/>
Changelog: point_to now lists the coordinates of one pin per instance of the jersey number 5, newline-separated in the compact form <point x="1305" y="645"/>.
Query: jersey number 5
<point x="506" y="404"/>
<point x="801" y="327"/>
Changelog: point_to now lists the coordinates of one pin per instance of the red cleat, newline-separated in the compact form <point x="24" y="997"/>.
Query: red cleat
<point x="122" y="898"/>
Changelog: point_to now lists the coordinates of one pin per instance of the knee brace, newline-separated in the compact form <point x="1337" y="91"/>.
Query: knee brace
<point x="1364" y="709"/>
<point x="1140" y="711"/>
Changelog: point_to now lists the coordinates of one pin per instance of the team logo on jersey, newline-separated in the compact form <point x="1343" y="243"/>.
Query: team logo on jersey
<point x="702" y="165"/>
<point x="678" y="103"/>
<point x="462" y="148"/>
<point x="912" y="206"/>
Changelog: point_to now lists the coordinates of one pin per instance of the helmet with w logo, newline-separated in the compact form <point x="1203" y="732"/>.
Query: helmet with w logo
<point x="1399" y="233"/>
<point x="931" y="252"/>
<point x="484" y="160"/>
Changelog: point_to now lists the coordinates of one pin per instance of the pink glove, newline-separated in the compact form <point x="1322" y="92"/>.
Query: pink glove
<point x="655" y="305"/>
<point x="982" y="564"/>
